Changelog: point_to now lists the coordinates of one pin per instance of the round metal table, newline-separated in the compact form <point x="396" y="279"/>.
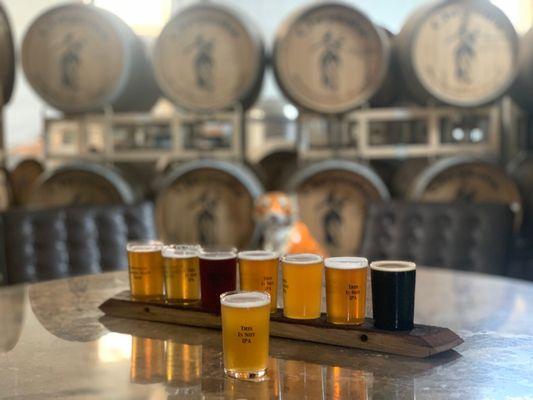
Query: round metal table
<point x="55" y="343"/>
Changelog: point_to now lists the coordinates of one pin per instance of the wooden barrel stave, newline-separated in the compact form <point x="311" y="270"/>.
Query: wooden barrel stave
<point x="321" y="83"/>
<point x="208" y="202"/>
<point x="80" y="184"/>
<point x="7" y="58"/>
<point x="484" y="68"/>
<point x="523" y="85"/>
<point x="211" y="37"/>
<point x="80" y="58"/>
<point x="332" y="197"/>
<point x="23" y="177"/>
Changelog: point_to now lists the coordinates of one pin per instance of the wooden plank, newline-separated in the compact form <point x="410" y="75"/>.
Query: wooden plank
<point x="422" y="341"/>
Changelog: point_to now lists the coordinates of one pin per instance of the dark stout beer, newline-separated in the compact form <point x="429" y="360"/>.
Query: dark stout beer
<point x="393" y="294"/>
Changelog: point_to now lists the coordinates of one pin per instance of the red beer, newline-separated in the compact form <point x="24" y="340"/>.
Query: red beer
<point x="218" y="271"/>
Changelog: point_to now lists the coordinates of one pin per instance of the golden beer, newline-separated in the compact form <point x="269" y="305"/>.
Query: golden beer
<point x="182" y="274"/>
<point x="302" y="285"/>
<point x="145" y="265"/>
<point x="245" y="333"/>
<point x="258" y="270"/>
<point x="346" y="289"/>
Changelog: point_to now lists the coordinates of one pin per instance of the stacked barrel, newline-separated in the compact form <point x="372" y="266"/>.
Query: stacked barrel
<point x="328" y="60"/>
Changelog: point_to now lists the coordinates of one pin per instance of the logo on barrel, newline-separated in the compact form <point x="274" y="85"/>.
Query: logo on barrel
<point x="203" y="61"/>
<point x="69" y="62"/>
<point x="332" y="218"/>
<point x="206" y="218"/>
<point x="329" y="60"/>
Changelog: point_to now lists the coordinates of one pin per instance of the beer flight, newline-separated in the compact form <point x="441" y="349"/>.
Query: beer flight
<point x="190" y="275"/>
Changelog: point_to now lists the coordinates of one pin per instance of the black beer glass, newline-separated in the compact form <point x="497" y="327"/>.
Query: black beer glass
<point x="393" y="294"/>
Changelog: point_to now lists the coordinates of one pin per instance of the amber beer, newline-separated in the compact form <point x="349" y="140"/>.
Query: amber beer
<point x="393" y="294"/>
<point x="258" y="270"/>
<point x="182" y="274"/>
<point x="346" y="289"/>
<point x="302" y="285"/>
<point x="245" y="333"/>
<point x="146" y="270"/>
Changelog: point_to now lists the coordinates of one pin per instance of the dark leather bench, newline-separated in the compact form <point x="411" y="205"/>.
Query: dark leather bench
<point x="464" y="236"/>
<point x="56" y="243"/>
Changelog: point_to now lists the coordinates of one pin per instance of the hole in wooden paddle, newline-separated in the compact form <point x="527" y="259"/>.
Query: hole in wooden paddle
<point x="363" y="338"/>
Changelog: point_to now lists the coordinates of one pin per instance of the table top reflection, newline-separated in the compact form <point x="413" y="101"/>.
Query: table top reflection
<point x="55" y="343"/>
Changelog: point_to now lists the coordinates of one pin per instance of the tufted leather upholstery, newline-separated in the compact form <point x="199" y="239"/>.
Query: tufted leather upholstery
<point x="62" y="242"/>
<point x="465" y="236"/>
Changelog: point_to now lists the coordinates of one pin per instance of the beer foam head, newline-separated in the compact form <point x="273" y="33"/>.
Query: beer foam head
<point x="180" y="251"/>
<point x="302" y="258"/>
<point x="346" y="262"/>
<point x="218" y="253"/>
<point x="145" y="246"/>
<point x="393" y="266"/>
<point x="242" y="299"/>
<point x="258" y="255"/>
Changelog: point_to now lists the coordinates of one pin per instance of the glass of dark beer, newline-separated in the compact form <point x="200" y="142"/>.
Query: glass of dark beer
<point x="218" y="271"/>
<point x="393" y="294"/>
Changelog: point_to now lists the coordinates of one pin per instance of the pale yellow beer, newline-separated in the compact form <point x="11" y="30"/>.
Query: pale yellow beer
<point x="346" y="289"/>
<point x="258" y="270"/>
<point x="145" y="265"/>
<point x="302" y="285"/>
<point x="245" y="333"/>
<point x="182" y="274"/>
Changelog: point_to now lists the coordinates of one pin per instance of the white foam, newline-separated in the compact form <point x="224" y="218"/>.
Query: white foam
<point x="393" y="266"/>
<point x="302" y="258"/>
<point x="180" y="251"/>
<point x="245" y="299"/>
<point x="258" y="255"/>
<point x="346" y="262"/>
<point x="144" y="247"/>
<point x="218" y="256"/>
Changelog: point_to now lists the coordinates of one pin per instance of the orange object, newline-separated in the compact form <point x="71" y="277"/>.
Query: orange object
<point x="283" y="231"/>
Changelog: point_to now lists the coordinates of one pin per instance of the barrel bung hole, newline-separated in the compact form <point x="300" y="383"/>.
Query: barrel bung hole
<point x="147" y="309"/>
<point x="363" y="338"/>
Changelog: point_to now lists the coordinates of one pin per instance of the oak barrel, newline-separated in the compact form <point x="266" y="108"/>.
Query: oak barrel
<point x="23" y="176"/>
<point x="208" y="202"/>
<point x="521" y="170"/>
<point x="523" y="87"/>
<point x="81" y="58"/>
<point x="7" y="57"/>
<point x="459" y="52"/>
<point x="405" y="176"/>
<point x="80" y="183"/>
<point x="468" y="179"/>
<point x="6" y="193"/>
<point x="209" y="58"/>
<point x="330" y="58"/>
<point x="332" y="198"/>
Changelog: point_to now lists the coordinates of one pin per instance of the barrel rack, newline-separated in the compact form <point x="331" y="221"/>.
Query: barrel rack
<point x="142" y="137"/>
<point x="373" y="133"/>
